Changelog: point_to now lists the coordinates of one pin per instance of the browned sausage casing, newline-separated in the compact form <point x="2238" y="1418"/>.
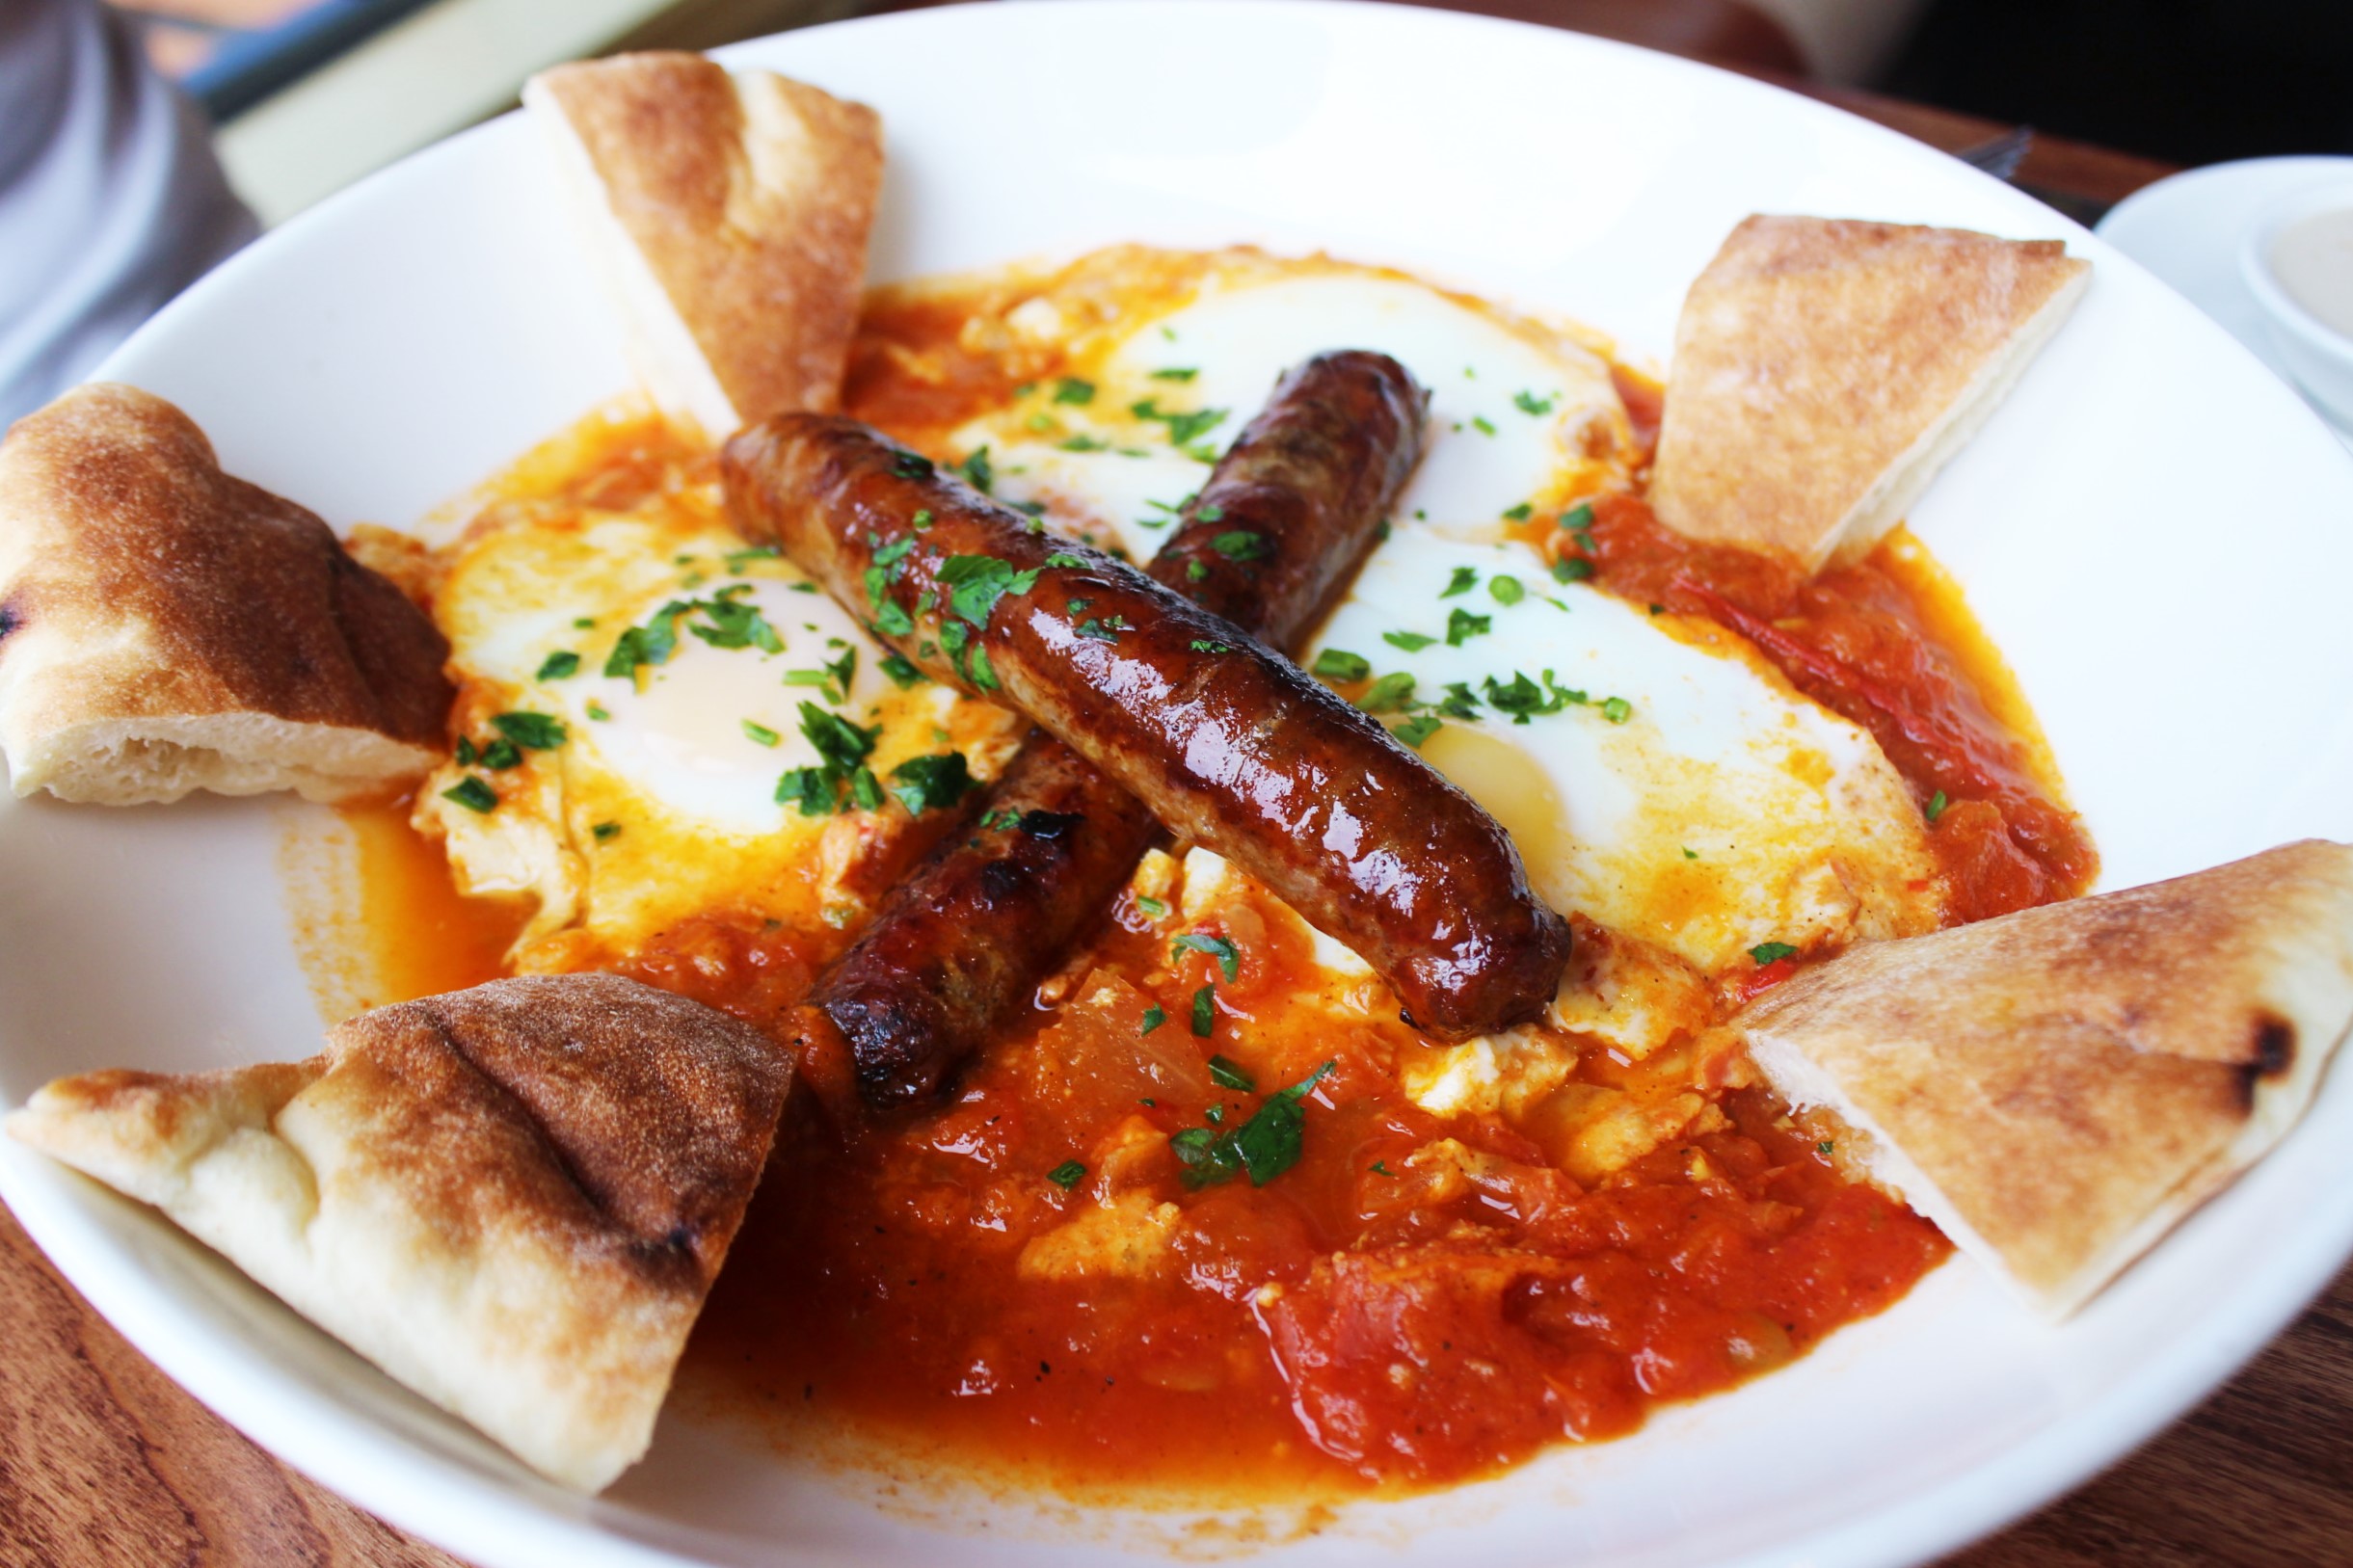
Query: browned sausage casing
<point x="960" y="948"/>
<point x="1224" y="740"/>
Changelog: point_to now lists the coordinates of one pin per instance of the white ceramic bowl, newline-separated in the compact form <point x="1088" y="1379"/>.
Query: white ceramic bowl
<point x="2318" y="356"/>
<point x="2151" y="529"/>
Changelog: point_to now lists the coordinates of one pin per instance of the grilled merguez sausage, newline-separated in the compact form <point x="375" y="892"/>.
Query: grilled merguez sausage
<point x="959" y="948"/>
<point x="1224" y="741"/>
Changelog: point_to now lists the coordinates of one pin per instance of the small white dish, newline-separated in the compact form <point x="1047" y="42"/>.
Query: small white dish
<point x="2188" y="230"/>
<point x="2318" y="354"/>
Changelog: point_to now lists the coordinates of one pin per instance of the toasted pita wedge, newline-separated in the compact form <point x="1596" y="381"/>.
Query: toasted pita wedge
<point x="2058" y="1087"/>
<point x="1825" y="370"/>
<point x="513" y="1199"/>
<point x="165" y="627"/>
<point x="730" y="216"/>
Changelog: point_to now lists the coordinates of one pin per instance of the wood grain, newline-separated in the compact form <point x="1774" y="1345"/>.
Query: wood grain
<point x="104" y="1463"/>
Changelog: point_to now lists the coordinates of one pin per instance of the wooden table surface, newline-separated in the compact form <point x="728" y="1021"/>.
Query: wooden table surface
<point x="104" y="1463"/>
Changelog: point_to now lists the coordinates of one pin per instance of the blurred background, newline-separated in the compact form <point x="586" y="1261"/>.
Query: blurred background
<point x="311" y="95"/>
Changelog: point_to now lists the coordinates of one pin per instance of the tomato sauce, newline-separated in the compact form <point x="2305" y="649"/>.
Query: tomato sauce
<point x="1419" y="1299"/>
<point x="1032" y="1276"/>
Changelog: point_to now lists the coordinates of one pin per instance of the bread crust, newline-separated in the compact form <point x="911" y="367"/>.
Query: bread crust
<point x="2058" y="1087"/>
<point x="1826" y="368"/>
<point x="750" y="197"/>
<point x="165" y="626"/>
<point x="513" y="1199"/>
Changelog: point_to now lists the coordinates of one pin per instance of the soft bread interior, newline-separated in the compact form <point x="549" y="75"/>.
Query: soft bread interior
<point x="156" y="761"/>
<point x="660" y="347"/>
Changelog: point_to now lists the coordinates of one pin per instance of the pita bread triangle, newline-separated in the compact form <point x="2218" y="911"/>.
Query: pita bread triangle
<point x="2057" y="1088"/>
<point x="513" y="1199"/>
<point x="166" y="626"/>
<point x="729" y="214"/>
<point x="1825" y="369"/>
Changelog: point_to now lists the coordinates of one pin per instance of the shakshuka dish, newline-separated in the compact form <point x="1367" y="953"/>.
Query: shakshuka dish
<point x="1204" y="871"/>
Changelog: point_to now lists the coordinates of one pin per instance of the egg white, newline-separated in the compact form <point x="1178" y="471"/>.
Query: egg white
<point x="1716" y="810"/>
<point x="1519" y="411"/>
<point x="662" y="801"/>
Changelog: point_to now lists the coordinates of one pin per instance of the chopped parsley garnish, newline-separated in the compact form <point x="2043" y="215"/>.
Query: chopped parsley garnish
<point x="1241" y="544"/>
<point x="1937" y="803"/>
<point x="1227" y="955"/>
<point x="901" y="673"/>
<point x="1106" y="629"/>
<point x="650" y="644"/>
<point x="1264" y="1146"/>
<point x="533" y="732"/>
<point x="736" y="625"/>
<point x="1184" y="429"/>
<point x="1579" y="517"/>
<point x="1824" y="1147"/>
<point x="911" y="465"/>
<point x="1204" y="1011"/>
<point x="1227" y="1074"/>
<point x="977" y="582"/>
<point x="606" y="832"/>
<point x="840" y="742"/>
<point x="1464" y="579"/>
<point x="761" y="733"/>
<point x="584" y="623"/>
<point x="1063" y="558"/>
<point x="1478" y="423"/>
<point x="1461" y="627"/>
<point x="1211" y="513"/>
<point x="501" y="754"/>
<point x="1071" y="390"/>
<point x="1007" y="821"/>
<point x="1381" y="1167"/>
<point x="597" y="711"/>
<point x="559" y="665"/>
<point x="472" y="794"/>
<point x="1201" y="644"/>
<point x="467" y="756"/>
<point x="1459" y="702"/>
<point x="1156" y="907"/>
<point x="844" y="747"/>
<point x="921" y="519"/>
<point x="1617" y="709"/>
<point x="1194" y="570"/>
<point x="978" y="472"/>
<point x="1389" y="694"/>
<point x="924" y="784"/>
<point x="1772" y="952"/>
<point x="1505" y="588"/>
<point x="1338" y="664"/>
<point x="1530" y="404"/>
<point x="1689" y="853"/>
<point x="1520" y="513"/>
<point x="1175" y="373"/>
<point x="1412" y="642"/>
<point x="1571" y="569"/>
<point x="1417" y="728"/>
<point x="1523" y="699"/>
<point x="1067" y="1174"/>
<point x="1153" y="1016"/>
<point x="737" y="560"/>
